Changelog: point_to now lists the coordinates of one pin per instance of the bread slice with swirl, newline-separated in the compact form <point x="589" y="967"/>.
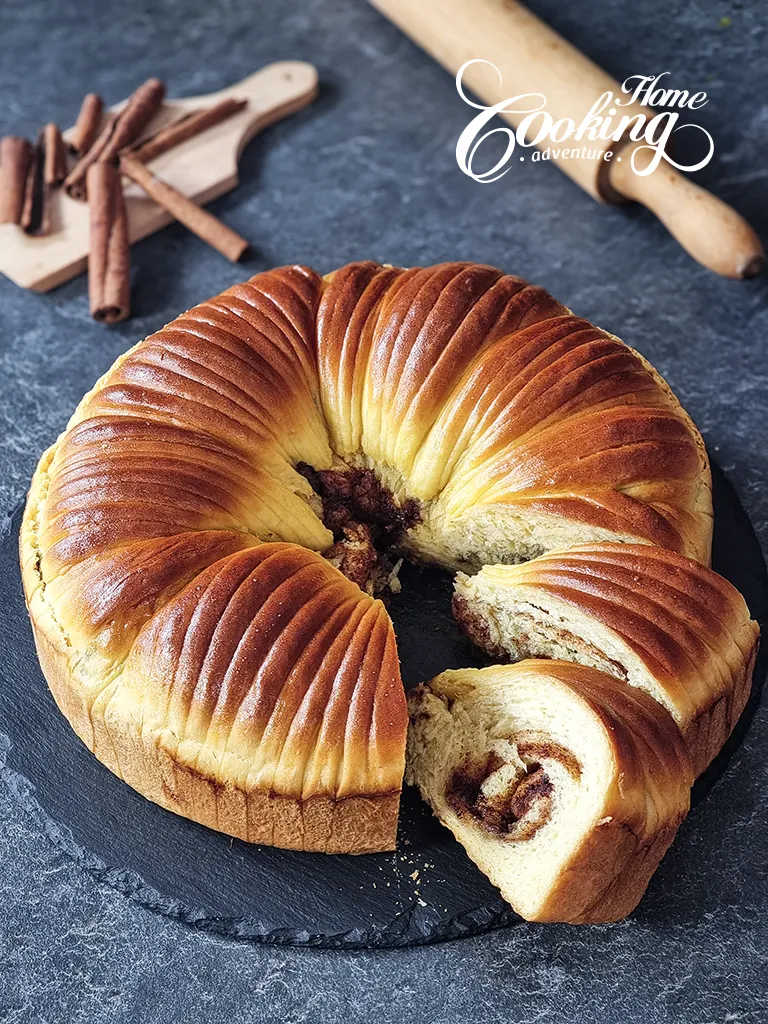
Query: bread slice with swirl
<point x="565" y="788"/>
<point x="655" y="619"/>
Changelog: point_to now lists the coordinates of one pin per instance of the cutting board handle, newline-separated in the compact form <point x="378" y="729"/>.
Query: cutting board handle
<point x="273" y="93"/>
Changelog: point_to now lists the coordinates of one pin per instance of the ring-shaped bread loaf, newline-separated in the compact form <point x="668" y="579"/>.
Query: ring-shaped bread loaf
<point x="172" y="543"/>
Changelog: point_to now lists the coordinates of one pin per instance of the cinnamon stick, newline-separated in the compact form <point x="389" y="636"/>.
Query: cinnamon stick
<point x="135" y="116"/>
<point x="15" y="158"/>
<point x="74" y="183"/>
<point x="88" y="123"/>
<point x="187" y="128"/>
<point x="32" y="211"/>
<point x="55" y="153"/>
<point x="47" y="170"/>
<point x="109" y="262"/>
<point x="120" y="131"/>
<point x="185" y="210"/>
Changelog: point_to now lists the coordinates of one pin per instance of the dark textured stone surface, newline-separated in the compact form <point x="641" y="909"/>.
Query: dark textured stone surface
<point x="369" y="172"/>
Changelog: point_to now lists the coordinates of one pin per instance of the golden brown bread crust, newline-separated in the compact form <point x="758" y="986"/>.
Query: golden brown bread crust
<point x="462" y="387"/>
<point x="273" y="658"/>
<point x="659" y="620"/>
<point x="179" y="462"/>
<point x="631" y="783"/>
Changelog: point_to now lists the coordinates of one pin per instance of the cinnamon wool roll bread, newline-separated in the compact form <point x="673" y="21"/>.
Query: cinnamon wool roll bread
<point x="173" y="543"/>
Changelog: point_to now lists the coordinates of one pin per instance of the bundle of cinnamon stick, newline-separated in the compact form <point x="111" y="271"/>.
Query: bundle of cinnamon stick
<point x="105" y="148"/>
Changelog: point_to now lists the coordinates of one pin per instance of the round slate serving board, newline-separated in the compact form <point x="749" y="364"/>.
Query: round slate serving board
<point x="426" y="891"/>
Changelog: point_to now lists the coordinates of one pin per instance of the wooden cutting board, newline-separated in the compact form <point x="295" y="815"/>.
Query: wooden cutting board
<point x="203" y="168"/>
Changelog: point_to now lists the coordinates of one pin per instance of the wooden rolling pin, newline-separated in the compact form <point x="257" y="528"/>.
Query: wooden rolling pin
<point x="532" y="58"/>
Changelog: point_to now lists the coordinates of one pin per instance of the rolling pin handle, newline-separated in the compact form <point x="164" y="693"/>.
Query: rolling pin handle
<point x="711" y="231"/>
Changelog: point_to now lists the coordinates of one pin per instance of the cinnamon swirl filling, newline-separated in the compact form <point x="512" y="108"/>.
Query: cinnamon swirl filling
<point x="366" y="521"/>
<point x="510" y="800"/>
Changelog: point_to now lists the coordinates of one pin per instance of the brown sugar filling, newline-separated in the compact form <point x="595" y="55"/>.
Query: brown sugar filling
<point x="547" y="750"/>
<point x="366" y="521"/>
<point x="477" y="629"/>
<point x="523" y="809"/>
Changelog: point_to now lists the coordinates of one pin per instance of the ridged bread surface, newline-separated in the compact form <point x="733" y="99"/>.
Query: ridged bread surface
<point x="521" y="426"/>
